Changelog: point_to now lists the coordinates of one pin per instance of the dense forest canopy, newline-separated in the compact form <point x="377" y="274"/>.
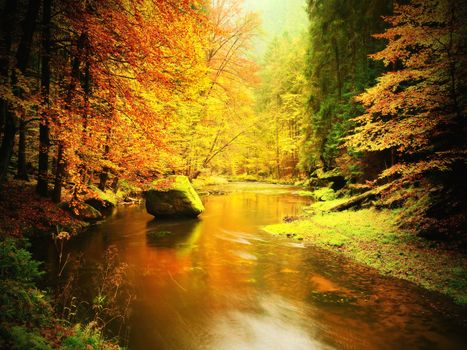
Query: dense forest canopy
<point x="361" y="103"/>
<point x="94" y="92"/>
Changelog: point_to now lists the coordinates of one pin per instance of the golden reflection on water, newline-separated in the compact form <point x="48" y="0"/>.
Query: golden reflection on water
<point x="220" y="282"/>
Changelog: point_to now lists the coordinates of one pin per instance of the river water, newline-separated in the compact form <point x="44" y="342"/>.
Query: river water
<point x="220" y="282"/>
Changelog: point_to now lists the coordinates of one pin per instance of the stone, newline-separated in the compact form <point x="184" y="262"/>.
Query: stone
<point x="83" y="211"/>
<point x="332" y="178"/>
<point x="104" y="201"/>
<point x="173" y="197"/>
<point x="324" y="194"/>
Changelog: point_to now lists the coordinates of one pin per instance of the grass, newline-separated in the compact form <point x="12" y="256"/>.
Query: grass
<point x="372" y="237"/>
<point x="201" y="182"/>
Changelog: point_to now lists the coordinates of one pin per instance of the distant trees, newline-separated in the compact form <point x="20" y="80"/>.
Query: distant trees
<point x="338" y="69"/>
<point x="281" y="108"/>
<point x="223" y="109"/>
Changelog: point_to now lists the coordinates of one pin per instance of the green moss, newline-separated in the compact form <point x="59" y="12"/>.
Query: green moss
<point x="128" y="188"/>
<point x="324" y="194"/>
<point x="182" y="183"/>
<point x="201" y="182"/>
<point x="173" y="197"/>
<point x="318" y="207"/>
<point x="372" y="237"/>
<point x="304" y="193"/>
<point x="106" y="196"/>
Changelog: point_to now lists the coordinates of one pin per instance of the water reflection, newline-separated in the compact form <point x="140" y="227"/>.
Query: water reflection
<point x="181" y="234"/>
<point x="220" y="282"/>
<point x="277" y="324"/>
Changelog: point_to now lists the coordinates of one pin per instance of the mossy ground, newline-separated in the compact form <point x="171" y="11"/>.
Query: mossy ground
<point x="372" y="237"/>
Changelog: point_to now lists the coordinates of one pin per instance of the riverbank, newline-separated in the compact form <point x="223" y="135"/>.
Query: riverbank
<point x="372" y="237"/>
<point x="29" y="317"/>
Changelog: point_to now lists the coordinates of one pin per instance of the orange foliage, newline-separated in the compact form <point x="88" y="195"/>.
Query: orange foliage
<point x="126" y="62"/>
<point x="415" y="109"/>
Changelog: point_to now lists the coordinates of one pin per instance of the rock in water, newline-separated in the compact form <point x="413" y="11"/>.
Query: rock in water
<point x="176" y="199"/>
<point x="82" y="211"/>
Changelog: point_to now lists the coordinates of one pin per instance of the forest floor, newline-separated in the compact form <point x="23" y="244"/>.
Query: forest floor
<point x="373" y="238"/>
<point x="24" y="213"/>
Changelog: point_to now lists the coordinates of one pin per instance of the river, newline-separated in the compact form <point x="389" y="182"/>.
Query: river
<point x="220" y="282"/>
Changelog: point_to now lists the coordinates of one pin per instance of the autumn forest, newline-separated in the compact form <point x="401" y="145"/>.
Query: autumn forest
<point x="360" y="111"/>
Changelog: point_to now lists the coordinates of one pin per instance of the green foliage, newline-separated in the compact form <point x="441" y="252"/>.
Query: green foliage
<point x="281" y="107"/>
<point x="23" y="339"/>
<point x="324" y="194"/>
<point x="17" y="264"/>
<point x="86" y="337"/>
<point x="19" y="299"/>
<point x="338" y="69"/>
<point x="25" y="311"/>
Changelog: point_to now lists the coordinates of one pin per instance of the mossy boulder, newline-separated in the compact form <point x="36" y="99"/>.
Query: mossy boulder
<point x="82" y="211"/>
<point x="174" y="197"/>
<point x="104" y="201"/>
<point x="324" y="194"/>
<point x="332" y="178"/>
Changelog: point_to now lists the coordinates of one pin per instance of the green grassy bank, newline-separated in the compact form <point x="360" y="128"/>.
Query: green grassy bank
<point x="373" y="238"/>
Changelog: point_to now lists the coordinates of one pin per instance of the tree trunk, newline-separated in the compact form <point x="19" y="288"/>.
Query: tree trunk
<point x="103" y="177"/>
<point x="278" y="161"/>
<point x="115" y="184"/>
<point x="9" y="133"/>
<point x="59" y="173"/>
<point x="8" y="22"/>
<point x="61" y="165"/>
<point x="338" y="68"/>
<point x="44" y="138"/>
<point x="22" y="58"/>
<point x="22" y="171"/>
<point x="357" y="201"/>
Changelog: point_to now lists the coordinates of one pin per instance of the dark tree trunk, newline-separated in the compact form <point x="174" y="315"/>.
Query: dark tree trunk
<point x="22" y="171"/>
<point x="44" y="138"/>
<point x="8" y="22"/>
<point x="61" y="166"/>
<point x="59" y="174"/>
<point x="8" y="123"/>
<point x="22" y="58"/>
<point x="103" y="177"/>
<point x="115" y="184"/>
<point x="338" y="68"/>
<point x="8" y="142"/>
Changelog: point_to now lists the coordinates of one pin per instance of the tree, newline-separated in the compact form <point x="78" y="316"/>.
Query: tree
<point x="14" y="83"/>
<point x="220" y="118"/>
<point x="281" y="101"/>
<point x="338" y="69"/>
<point x="417" y="109"/>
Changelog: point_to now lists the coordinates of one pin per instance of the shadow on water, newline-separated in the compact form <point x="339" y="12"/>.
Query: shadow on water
<point x="220" y="282"/>
<point x="180" y="234"/>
